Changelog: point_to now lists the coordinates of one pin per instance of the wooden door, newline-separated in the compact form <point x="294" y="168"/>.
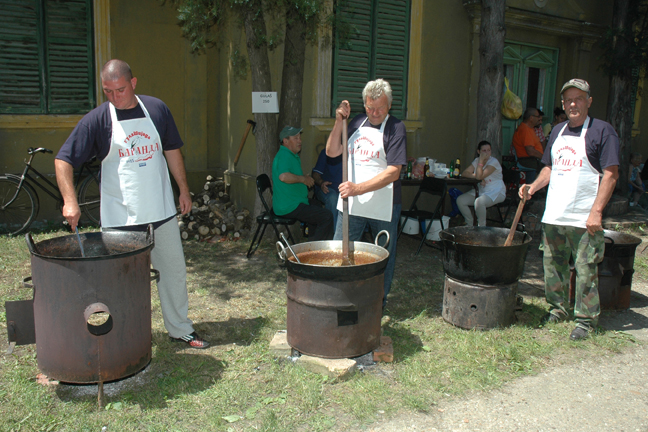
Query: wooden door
<point x="531" y="71"/>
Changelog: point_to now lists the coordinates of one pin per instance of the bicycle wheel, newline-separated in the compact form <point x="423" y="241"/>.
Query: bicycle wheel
<point x="89" y="198"/>
<point x="16" y="217"/>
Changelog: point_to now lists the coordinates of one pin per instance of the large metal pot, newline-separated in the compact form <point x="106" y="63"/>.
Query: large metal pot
<point x="478" y="255"/>
<point x="614" y="272"/>
<point x="334" y="312"/>
<point x="111" y="282"/>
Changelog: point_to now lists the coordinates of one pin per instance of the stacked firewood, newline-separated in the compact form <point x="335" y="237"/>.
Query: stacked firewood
<point x="213" y="216"/>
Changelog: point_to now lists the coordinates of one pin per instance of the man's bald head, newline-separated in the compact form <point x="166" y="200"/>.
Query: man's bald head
<point x="114" y="69"/>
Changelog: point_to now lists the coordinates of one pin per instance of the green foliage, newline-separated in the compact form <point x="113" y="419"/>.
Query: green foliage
<point x="239" y="65"/>
<point x="635" y="34"/>
<point x="202" y="20"/>
<point x="197" y="17"/>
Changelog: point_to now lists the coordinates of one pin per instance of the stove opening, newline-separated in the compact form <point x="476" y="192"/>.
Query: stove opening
<point x="347" y="318"/>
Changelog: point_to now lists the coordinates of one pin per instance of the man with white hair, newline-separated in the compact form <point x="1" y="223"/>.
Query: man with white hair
<point x="377" y="144"/>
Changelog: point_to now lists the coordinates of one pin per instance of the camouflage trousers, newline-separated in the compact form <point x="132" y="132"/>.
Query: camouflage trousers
<point x="559" y="244"/>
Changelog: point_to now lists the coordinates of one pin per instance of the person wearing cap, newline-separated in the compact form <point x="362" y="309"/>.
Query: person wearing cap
<point x="377" y="144"/>
<point x="528" y="147"/>
<point x="290" y="195"/>
<point x="581" y="169"/>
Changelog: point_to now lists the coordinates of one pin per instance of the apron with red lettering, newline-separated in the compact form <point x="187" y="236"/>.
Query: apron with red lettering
<point x="574" y="182"/>
<point x="135" y="183"/>
<point x="367" y="159"/>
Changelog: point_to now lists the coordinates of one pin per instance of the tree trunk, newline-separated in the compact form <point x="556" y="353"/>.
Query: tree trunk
<point x="491" y="74"/>
<point x="292" y="80"/>
<point x="619" y="103"/>
<point x="267" y="137"/>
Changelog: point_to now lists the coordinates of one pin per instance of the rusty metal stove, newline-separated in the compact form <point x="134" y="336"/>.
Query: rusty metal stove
<point x="112" y="283"/>
<point x="335" y="312"/>
<point x="480" y="289"/>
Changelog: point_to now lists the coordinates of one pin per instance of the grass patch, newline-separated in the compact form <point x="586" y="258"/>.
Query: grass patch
<point x="236" y="385"/>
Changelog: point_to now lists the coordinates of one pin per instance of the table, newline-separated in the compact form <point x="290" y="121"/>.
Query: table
<point x="451" y="182"/>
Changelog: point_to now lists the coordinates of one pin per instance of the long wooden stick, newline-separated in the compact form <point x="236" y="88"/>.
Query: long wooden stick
<point x="347" y="251"/>
<point x="516" y="219"/>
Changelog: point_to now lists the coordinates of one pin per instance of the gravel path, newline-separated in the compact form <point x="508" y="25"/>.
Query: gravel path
<point x="595" y="394"/>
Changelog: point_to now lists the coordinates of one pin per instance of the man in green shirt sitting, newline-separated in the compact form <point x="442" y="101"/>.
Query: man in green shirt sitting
<point x="290" y="188"/>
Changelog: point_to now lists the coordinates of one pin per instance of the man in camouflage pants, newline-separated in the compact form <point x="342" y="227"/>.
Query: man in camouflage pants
<point x="581" y="168"/>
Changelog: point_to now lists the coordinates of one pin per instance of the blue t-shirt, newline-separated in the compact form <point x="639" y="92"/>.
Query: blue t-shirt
<point x="92" y="135"/>
<point x="395" y="141"/>
<point x="601" y="143"/>
<point x="330" y="169"/>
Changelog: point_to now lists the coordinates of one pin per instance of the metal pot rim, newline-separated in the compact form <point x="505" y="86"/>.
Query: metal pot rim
<point x="143" y="241"/>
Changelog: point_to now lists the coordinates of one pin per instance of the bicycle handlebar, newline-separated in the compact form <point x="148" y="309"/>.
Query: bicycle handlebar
<point x="32" y="150"/>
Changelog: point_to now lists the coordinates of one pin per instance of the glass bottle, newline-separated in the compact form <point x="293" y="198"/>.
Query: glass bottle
<point x="457" y="168"/>
<point x="452" y="168"/>
<point x="426" y="169"/>
<point x="409" y="170"/>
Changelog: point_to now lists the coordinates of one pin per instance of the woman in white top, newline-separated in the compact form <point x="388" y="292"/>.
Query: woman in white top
<point x="491" y="189"/>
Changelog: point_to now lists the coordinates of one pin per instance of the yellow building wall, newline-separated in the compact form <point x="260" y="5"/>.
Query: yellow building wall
<point x="211" y="107"/>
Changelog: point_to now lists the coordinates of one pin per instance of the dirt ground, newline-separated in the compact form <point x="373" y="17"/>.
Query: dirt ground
<point x="594" y="394"/>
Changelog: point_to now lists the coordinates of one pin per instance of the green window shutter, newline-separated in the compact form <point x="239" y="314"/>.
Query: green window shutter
<point x="46" y="57"/>
<point x="21" y="75"/>
<point x="70" y="83"/>
<point x="392" y="49"/>
<point x="353" y="58"/>
<point x="377" y="48"/>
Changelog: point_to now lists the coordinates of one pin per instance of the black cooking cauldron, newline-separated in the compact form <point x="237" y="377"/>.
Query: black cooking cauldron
<point x="478" y="254"/>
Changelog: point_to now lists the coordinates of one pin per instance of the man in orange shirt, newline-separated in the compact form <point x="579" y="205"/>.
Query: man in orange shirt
<point x="526" y="143"/>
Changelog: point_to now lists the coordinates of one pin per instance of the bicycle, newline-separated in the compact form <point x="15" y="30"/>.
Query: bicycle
<point x="19" y="201"/>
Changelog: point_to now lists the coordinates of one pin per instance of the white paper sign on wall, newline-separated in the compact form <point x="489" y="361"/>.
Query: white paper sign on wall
<point x="265" y="102"/>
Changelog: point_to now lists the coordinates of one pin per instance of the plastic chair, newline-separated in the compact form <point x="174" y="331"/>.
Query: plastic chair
<point x="267" y="216"/>
<point x="431" y="186"/>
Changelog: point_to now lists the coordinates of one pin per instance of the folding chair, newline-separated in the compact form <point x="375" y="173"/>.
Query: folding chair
<point x="267" y="216"/>
<point x="431" y="186"/>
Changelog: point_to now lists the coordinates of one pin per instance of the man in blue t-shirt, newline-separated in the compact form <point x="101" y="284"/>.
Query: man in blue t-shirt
<point x="377" y="145"/>
<point x="328" y="176"/>
<point x="581" y="168"/>
<point x="290" y="194"/>
<point x="138" y="144"/>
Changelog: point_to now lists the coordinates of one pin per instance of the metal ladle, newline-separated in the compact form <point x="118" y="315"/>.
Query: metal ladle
<point x="79" y="240"/>
<point x="283" y="237"/>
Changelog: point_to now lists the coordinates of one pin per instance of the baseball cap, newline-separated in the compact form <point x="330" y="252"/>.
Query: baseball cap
<point x="578" y="83"/>
<point x="288" y="131"/>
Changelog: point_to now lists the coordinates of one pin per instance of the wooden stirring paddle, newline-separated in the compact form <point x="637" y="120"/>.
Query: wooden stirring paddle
<point x="516" y="219"/>
<point x="347" y="247"/>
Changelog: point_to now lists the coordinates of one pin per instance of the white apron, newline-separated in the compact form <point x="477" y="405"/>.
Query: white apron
<point x="574" y="182"/>
<point x="367" y="159"/>
<point x="135" y="184"/>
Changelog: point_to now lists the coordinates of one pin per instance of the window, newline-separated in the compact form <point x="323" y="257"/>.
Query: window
<point x="46" y="57"/>
<point x="377" y="47"/>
